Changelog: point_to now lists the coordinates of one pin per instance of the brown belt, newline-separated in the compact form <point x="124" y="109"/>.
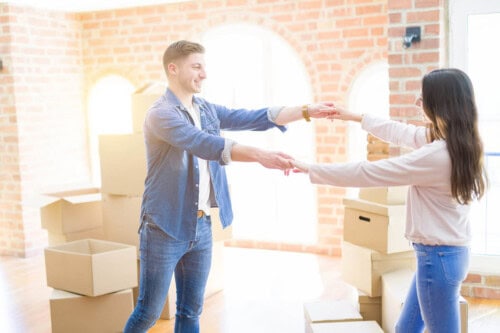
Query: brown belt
<point x="200" y="214"/>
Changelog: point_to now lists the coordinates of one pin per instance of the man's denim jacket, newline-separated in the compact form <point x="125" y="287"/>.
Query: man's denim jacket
<point x="173" y="143"/>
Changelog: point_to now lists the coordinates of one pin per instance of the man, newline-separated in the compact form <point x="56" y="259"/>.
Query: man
<point x="185" y="161"/>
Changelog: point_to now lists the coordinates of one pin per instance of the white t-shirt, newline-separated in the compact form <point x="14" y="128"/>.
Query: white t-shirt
<point x="204" y="185"/>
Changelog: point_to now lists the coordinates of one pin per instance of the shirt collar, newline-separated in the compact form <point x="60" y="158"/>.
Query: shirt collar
<point x="173" y="100"/>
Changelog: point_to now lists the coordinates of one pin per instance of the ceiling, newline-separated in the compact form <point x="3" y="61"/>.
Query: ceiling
<point x="88" y="5"/>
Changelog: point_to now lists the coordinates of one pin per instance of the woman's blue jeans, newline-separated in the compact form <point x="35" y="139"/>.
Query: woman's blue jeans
<point x="433" y="298"/>
<point x="161" y="257"/>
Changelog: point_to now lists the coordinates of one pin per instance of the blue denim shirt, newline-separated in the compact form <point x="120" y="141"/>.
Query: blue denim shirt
<point x="173" y="145"/>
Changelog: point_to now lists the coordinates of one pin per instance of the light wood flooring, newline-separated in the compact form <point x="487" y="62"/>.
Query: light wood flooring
<point x="264" y="293"/>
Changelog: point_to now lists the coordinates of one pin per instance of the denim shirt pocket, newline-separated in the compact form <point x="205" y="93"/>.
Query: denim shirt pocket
<point x="212" y="125"/>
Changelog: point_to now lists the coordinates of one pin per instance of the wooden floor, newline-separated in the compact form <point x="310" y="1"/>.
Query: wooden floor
<point x="264" y="293"/>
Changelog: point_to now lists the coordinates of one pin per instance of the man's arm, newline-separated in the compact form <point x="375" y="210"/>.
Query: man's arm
<point x="307" y="111"/>
<point x="268" y="159"/>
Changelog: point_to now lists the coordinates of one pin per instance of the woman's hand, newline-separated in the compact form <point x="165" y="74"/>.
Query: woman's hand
<point x="300" y="167"/>
<point x="342" y="114"/>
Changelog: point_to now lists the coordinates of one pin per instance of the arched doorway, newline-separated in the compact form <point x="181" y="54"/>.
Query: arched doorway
<point x="109" y="112"/>
<point x="249" y="66"/>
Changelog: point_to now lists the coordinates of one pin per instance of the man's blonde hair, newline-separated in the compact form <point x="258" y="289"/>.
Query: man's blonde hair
<point x="180" y="50"/>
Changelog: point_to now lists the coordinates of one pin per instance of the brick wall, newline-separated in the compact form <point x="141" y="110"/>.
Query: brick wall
<point x="407" y="66"/>
<point x="43" y="139"/>
<point x="10" y="184"/>
<point x="481" y="285"/>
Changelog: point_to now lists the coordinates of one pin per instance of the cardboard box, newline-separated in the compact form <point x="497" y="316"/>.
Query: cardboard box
<point x="123" y="164"/>
<point x="121" y="216"/>
<point x="58" y="239"/>
<point x="347" y="327"/>
<point x="70" y="211"/>
<point x="363" y="267"/>
<point x="329" y="312"/>
<point x="82" y="314"/>
<point x="370" y="308"/>
<point x="375" y="226"/>
<point x="464" y="316"/>
<point x="392" y="195"/>
<point x="91" y="267"/>
<point x="219" y="234"/>
<point x="142" y="99"/>
<point x="394" y="290"/>
<point x="215" y="282"/>
<point x="395" y="287"/>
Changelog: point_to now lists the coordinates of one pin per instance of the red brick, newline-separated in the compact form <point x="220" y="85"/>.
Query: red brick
<point x="490" y="293"/>
<point x="427" y="3"/>
<point x="402" y="72"/>
<point x="492" y="280"/>
<point x="425" y="57"/>
<point x="395" y="18"/>
<point x="473" y="278"/>
<point x="363" y="10"/>
<point x="400" y="4"/>
<point x="422" y="16"/>
<point x="357" y="32"/>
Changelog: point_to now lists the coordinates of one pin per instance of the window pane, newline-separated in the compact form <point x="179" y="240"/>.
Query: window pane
<point x="483" y="56"/>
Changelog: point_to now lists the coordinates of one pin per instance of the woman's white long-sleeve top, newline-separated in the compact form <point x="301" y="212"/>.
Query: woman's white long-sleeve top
<point x="433" y="216"/>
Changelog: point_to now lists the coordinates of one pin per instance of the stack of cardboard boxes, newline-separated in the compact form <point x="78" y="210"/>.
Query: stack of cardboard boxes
<point x="123" y="171"/>
<point x="92" y="281"/>
<point x="374" y="244"/>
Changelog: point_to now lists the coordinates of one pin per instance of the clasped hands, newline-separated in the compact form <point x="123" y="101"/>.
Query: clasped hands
<point x="285" y="162"/>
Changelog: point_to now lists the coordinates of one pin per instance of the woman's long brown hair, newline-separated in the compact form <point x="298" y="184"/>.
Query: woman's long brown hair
<point x="449" y="103"/>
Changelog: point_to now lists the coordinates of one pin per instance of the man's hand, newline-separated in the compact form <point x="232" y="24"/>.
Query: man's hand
<point x="268" y="159"/>
<point x="275" y="160"/>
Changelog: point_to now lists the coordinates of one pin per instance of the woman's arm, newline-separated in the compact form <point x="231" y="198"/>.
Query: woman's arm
<point x="399" y="133"/>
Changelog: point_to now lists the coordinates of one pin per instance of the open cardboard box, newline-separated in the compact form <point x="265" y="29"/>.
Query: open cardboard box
<point x="91" y="267"/>
<point x="69" y="211"/>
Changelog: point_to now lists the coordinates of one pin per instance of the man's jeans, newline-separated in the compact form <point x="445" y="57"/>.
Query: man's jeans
<point x="161" y="255"/>
<point x="433" y="297"/>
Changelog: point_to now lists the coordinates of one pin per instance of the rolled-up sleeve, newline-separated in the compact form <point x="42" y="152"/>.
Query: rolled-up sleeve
<point x="273" y="112"/>
<point x="226" y="153"/>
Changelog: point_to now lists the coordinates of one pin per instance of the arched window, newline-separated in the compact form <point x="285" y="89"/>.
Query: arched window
<point x="109" y="112"/>
<point x="249" y="66"/>
<point x="369" y="94"/>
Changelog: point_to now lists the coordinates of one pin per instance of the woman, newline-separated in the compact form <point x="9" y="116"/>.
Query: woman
<point x="445" y="174"/>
